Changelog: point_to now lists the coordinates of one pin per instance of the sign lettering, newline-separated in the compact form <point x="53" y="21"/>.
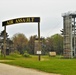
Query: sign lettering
<point x="21" y="20"/>
<point x="10" y="22"/>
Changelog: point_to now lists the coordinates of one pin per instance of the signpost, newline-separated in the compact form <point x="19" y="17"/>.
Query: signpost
<point x="39" y="53"/>
<point x="21" y="20"/>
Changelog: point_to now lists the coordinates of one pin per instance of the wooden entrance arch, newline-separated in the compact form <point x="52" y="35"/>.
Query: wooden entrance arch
<point x="20" y="20"/>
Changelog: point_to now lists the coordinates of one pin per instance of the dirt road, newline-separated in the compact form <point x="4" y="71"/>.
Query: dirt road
<point x="14" y="70"/>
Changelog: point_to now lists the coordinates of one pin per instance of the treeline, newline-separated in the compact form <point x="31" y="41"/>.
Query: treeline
<point x="53" y="43"/>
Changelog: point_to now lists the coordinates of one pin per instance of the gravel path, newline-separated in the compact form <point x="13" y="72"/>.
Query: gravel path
<point x="14" y="70"/>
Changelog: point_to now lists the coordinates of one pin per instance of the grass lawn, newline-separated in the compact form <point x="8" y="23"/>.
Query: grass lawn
<point x="47" y="64"/>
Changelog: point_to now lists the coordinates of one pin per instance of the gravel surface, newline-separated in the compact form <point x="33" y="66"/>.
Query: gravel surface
<point x="14" y="70"/>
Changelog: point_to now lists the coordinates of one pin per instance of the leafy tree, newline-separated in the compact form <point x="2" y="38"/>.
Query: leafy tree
<point x="57" y="43"/>
<point x="44" y="46"/>
<point x="50" y="44"/>
<point x="31" y="44"/>
<point x="20" y="42"/>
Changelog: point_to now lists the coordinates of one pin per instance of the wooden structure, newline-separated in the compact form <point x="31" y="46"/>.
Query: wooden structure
<point x="20" y="20"/>
<point x="69" y="35"/>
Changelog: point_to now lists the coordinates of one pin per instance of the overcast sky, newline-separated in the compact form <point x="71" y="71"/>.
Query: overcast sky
<point x="50" y="12"/>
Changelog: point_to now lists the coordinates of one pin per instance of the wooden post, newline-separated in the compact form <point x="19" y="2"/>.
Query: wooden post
<point x="4" y="46"/>
<point x="39" y="39"/>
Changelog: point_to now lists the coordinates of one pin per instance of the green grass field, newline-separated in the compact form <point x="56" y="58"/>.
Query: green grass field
<point x="48" y="64"/>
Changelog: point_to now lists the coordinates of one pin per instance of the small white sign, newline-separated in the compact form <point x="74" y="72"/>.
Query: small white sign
<point x="38" y="52"/>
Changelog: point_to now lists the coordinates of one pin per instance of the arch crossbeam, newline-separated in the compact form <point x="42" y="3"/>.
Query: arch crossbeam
<point x="21" y="20"/>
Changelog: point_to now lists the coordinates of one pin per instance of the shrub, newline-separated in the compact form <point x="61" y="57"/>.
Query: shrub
<point x="26" y="54"/>
<point x="16" y="55"/>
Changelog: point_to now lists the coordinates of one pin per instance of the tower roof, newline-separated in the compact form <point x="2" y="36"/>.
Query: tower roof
<point x="73" y="14"/>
